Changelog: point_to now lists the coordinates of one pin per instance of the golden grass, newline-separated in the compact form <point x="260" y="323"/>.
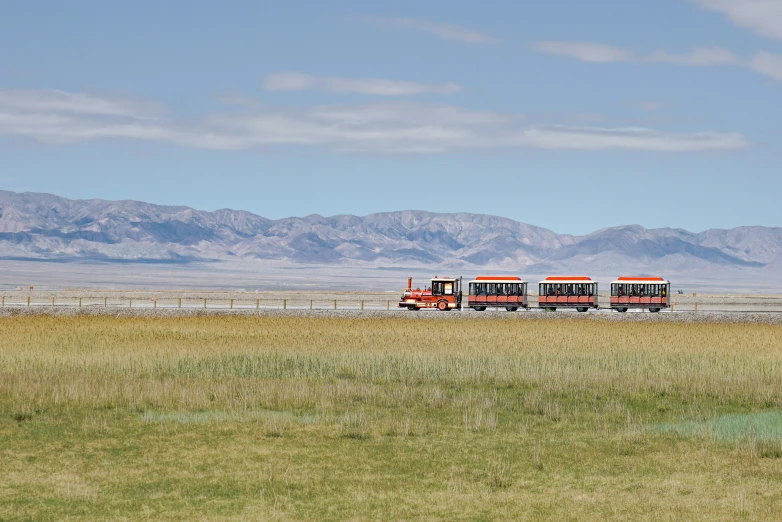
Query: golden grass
<point x="333" y="418"/>
<point x="237" y="362"/>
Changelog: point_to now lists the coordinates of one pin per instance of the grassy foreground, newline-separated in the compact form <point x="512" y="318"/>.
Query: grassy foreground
<point x="388" y="418"/>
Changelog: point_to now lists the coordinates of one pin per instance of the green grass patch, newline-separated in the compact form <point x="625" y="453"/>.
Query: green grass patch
<point x="760" y="432"/>
<point x="765" y="426"/>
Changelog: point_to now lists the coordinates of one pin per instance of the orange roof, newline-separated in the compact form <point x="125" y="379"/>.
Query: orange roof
<point x="497" y="278"/>
<point x="568" y="278"/>
<point x="628" y="278"/>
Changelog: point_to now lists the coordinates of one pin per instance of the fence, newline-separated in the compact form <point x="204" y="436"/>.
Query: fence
<point x="195" y="303"/>
<point x="770" y="304"/>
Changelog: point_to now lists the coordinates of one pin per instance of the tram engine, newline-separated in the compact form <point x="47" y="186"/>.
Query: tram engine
<point x="444" y="294"/>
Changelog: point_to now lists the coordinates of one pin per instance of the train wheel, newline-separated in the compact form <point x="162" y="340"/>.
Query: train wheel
<point x="551" y="309"/>
<point x="582" y="309"/>
<point x="511" y="308"/>
<point x="413" y="308"/>
<point x="654" y="310"/>
<point x="442" y="305"/>
<point x="623" y="310"/>
<point x="479" y="308"/>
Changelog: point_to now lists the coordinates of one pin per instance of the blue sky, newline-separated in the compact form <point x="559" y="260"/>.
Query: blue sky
<point x="570" y="115"/>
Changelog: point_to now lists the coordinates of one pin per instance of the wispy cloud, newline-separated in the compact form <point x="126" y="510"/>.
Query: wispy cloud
<point x="701" y="56"/>
<point x="631" y="138"/>
<point x="764" y="17"/>
<point x="586" y="51"/>
<point x="383" y="127"/>
<point x="293" y="81"/>
<point x="768" y="64"/>
<point x="600" y="53"/>
<point x="51" y="100"/>
<point x="763" y="62"/>
<point x="444" y="31"/>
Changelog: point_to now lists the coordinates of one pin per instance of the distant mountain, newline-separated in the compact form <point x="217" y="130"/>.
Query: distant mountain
<point x="46" y="227"/>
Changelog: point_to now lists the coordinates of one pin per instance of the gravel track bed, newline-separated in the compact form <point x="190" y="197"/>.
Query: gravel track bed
<point x="428" y="315"/>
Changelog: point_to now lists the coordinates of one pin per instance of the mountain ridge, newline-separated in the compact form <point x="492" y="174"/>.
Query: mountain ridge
<point x="40" y="226"/>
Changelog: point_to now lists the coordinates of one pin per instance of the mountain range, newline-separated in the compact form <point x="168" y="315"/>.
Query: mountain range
<point x="37" y="226"/>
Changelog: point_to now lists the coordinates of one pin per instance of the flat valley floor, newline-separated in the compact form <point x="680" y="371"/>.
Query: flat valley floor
<point x="317" y="416"/>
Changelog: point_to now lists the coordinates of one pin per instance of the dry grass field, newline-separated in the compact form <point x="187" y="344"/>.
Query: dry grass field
<point x="388" y="417"/>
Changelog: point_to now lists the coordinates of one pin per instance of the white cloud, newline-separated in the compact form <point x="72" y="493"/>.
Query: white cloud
<point x="444" y="31"/>
<point x="293" y="81"/>
<point x="77" y="103"/>
<point x="586" y="51"/>
<point x="764" y="62"/>
<point x="768" y="64"/>
<point x="700" y="56"/>
<point x="764" y="17"/>
<point x="631" y="138"/>
<point x="383" y="127"/>
<point x="599" y="53"/>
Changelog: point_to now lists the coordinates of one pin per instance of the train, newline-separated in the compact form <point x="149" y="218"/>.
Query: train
<point x="554" y="292"/>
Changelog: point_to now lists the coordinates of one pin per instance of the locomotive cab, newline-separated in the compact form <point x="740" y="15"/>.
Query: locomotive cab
<point x="444" y="294"/>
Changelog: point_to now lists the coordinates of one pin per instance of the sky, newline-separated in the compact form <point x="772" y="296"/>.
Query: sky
<point x="565" y="114"/>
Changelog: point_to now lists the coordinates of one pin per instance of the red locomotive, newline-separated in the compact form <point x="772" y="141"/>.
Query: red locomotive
<point x="444" y="294"/>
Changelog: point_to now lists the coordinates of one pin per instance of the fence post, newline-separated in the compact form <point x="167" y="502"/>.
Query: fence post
<point x="179" y="303"/>
<point x="310" y="304"/>
<point x="231" y="304"/>
<point x="28" y="300"/>
<point x="204" y="302"/>
<point x="257" y="303"/>
<point x="284" y="304"/>
<point x="154" y="303"/>
<point x="80" y="302"/>
<point x="335" y="304"/>
<point x="362" y="304"/>
<point x="696" y="307"/>
<point x="672" y="305"/>
<point x="388" y="305"/>
<point x="105" y="302"/>
<point x="130" y="302"/>
<point x="52" y="301"/>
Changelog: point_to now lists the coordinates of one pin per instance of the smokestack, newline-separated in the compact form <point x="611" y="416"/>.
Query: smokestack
<point x="409" y="283"/>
